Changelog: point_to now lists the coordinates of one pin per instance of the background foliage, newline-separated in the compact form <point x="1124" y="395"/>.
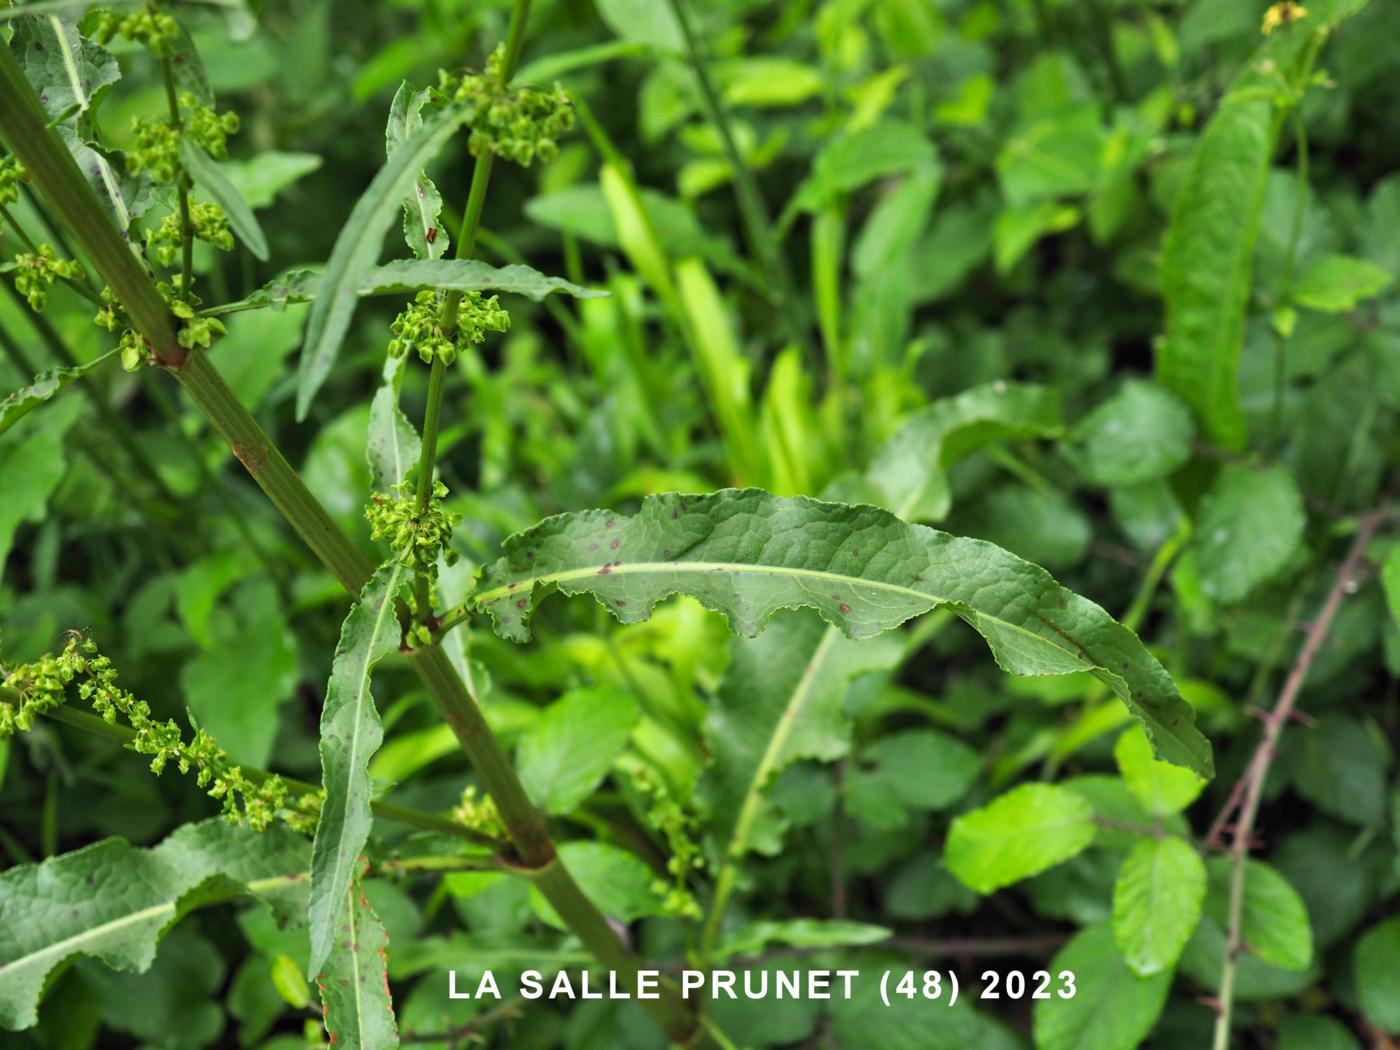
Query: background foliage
<point x="1110" y="284"/>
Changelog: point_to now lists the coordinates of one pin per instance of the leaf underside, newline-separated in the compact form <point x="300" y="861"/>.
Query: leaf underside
<point x="746" y="554"/>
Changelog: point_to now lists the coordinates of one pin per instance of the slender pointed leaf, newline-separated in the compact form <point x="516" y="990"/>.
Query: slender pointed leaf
<point x="354" y="986"/>
<point x="45" y="385"/>
<point x="468" y="275"/>
<point x="393" y="442"/>
<point x="422" y="205"/>
<point x="746" y="553"/>
<point x="350" y="734"/>
<point x="114" y="901"/>
<point x="357" y="249"/>
<point x="214" y="182"/>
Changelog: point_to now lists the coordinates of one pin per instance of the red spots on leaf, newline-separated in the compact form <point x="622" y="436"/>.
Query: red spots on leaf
<point x="520" y="604"/>
<point x="855" y="554"/>
<point x="593" y="546"/>
<point x="845" y="608"/>
<point x="621" y="603"/>
<point x="605" y="570"/>
<point x="512" y="586"/>
<point x="615" y="544"/>
<point x="608" y="524"/>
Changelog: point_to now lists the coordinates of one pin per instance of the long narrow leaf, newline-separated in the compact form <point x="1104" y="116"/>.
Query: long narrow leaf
<point x="45" y="386"/>
<point x="115" y="902"/>
<point x="350" y="734"/>
<point x="354" y="986"/>
<point x="357" y="249"/>
<point x="214" y="182"/>
<point x="746" y="553"/>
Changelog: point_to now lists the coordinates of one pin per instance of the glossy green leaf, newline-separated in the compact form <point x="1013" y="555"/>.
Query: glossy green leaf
<point x="394" y="445"/>
<point x="780" y="702"/>
<point x="1157" y="902"/>
<point x="799" y="933"/>
<point x="746" y="553"/>
<point x="422" y="206"/>
<point x="357" y="249"/>
<point x="350" y="734"/>
<point x="1140" y="434"/>
<point x="855" y="160"/>
<point x="564" y="756"/>
<point x="46" y="384"/>
<point x="114" y="901"/>
<point x="1341" y="765"/>
<point x="1274" y="923"/>
<point x="1019" y="834"/>
<point x="1162" y="788"/>
<point x="1377" y="968"/>
<point x="1112" y="1009"/>
<point x="1251" y="523"/>
<point x="354" y="985"/>
<point x="221" y="191"/>
<point x="1338" y="283"/>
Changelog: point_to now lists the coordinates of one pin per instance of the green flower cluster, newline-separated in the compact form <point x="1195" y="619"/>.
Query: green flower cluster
<point x="12" y="173"/>
<point x="417" y="330"/>
<point x="112" y="316"/>
<point x="41" y="686"/>
<point x="415" y="535"/>
<point x="195" y="330"/>
<point x="478" y="813"/>
<point x="37" y="272"/>
<point x="149" y="27"/>
<point x="157" y="147"/>
<point x="666" y="815"/>
<point x="208" y="223"/>
<point x="519" y="124"/>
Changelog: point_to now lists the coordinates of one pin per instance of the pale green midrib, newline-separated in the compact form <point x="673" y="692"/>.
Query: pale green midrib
<point x="62" y="949"/>
<point x="75" y="81"/>
<point x="355" y="963"/>
<point x="366" y="666"/>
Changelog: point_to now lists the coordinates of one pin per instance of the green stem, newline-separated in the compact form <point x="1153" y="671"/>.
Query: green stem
<point x="167" y="67"/>
<point x="751" y="204"/>
<point x="53" y="170"/>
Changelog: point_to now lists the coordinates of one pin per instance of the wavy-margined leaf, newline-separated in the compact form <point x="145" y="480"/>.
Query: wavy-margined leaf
<point x="215" y="183"/>
<point x="114" y="901"/>
<point x="1207" y="259"/>
<point x="350" y="734"/>
<point x="45" y="385"/>
<point x="422" y="205"/>
<point x="408" y="275"/>
<point x="357" y="249"/>
<point x="65" y="68"/>
<point x="394" y="445"/>
<point x="354" y="985"/>
<point x="747" y="553"/>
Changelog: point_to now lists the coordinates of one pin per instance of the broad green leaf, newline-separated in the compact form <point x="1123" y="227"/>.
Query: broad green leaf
<point x="45" y="385"/>
<point x="1162" y="788"/>
<point x="1340" y="765"/>
<point x="799" y="933"/>
<point x="236" y="685"/>
<point x="1382" y="216"/>
<point x="468" y="275"/>
<point x="643" y="22"/>
<point x="1274" y="924"/>
<point x="350" y="734"/>
<point x="1157" y="902"/>
<point x="907" y="473"/>
<point x="618" y="882"/>
<point x="919" y="769"/>
<point x="64" y="67"/>
<point x="1112" y="1009"/>
<point x="746" y="554"/>
<point x="1337" y="283"/>
<point x="896" y="222"/>
<point x="1140" y="434"/>
<point x="548" y="68"/>
<point x="261" y="177"/>
<point x="848" y="163"/>
<point x="1122" y="819"/>
<point x="1016" y="230"/>
<point x="1019" y="834"/>
<point x="865" y="1022"/>
<point x="212" y="181"/>
<point x="780" y="702"/>
<point x="422" y="205"/>
<point x="1377" y="968"/>
<point x="1052" y="158"/>
<point x="354" y="984"/>
<point x="1315" y="1032"/>
<point x="768" y="80"/>
<point x="394" y="445"/>
<point x="564" y="756"/>
<point x="31" y="465"/>
<point x="357" y="249"/>
<point x="1251" y="523"/>
<point x="113" y="901"/>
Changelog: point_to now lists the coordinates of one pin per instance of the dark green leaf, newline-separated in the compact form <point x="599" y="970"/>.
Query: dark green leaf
<point x="1112" y="1009"/>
